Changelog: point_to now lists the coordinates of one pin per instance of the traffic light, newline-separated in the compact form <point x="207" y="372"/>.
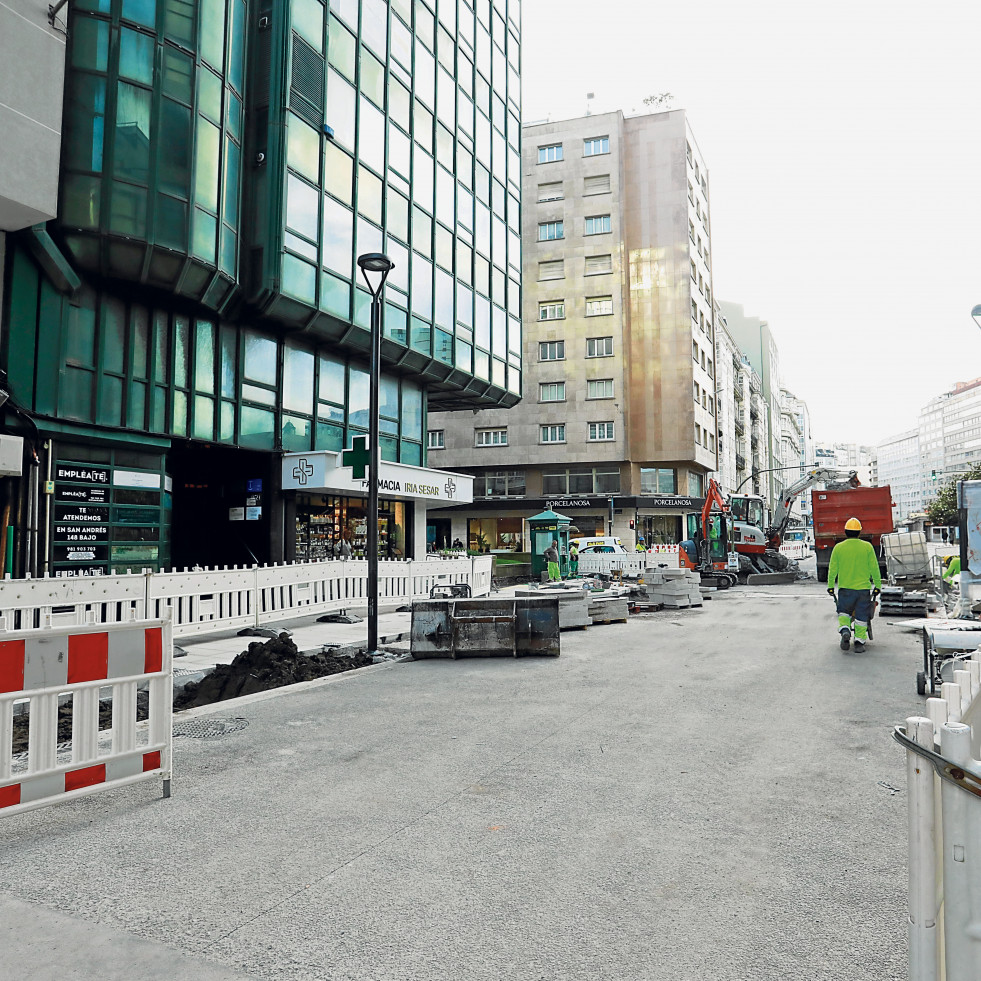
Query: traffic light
<point x="631" y="524"/>
<point x="933" y="474"/>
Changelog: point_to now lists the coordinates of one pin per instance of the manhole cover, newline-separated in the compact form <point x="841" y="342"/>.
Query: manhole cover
<point x="209" y="728"/>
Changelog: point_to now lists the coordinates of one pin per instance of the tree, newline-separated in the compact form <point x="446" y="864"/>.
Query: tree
<point x="942" y="510"/>
<point x="660" y="101"/>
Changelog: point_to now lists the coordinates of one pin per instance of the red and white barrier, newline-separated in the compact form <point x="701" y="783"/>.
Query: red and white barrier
<point x="795" y="550"/>
<point x="42" y="667"/>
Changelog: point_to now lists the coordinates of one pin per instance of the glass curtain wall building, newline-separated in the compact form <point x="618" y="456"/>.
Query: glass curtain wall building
<point x="224" y="163"/>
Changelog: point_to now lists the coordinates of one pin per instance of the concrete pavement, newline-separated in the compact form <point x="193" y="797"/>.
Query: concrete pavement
<point x="705" y="794"/>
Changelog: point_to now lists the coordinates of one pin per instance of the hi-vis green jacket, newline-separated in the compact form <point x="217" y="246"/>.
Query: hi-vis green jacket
<point x="853" y="564"/>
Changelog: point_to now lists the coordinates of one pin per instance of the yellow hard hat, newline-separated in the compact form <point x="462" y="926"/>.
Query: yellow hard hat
<point x="853" y="524"/>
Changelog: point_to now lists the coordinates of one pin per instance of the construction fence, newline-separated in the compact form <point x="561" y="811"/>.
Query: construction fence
<point x="943" y="774"/>
<point x="201" y="601"/>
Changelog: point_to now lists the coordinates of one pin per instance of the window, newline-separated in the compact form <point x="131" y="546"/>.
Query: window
<point x="551" y="192"/>
<point x="599" y="184"/>
<point x="548" y="231"/>
<point x="550" y="154"/>
<point x="597" y="225"/>
<point x="688" y="151"/>
<point x="694" y="311"/>
<point x="697" y="392"/>
<point x="599" y="347"/>
<point x="597" y="264"/>
<point x="691" y="193"/>
<point x="553" y="434"/>
<point x="551" y="311"/>
<point x="694" y="351"/>
<point x="694" y="270"/>
<point x="596" y="145"/>
<point x="601" y="388"/>
<point x="551" y="350"/>
<point x="658" y="481"/>
<point x="600" y="432"/>
<point x="551" y="270"/>
<point x="698" y="434"/>
<point x="599" y="480"/>
<point x="434" y="439"/>
<point x="551" y="392"/>
<point x="491" y="437"/>
<point x="598" y="306"/>
<point x="500" y="483"/>
<point x="694" y="485"/>
<point x="691" y="231"/>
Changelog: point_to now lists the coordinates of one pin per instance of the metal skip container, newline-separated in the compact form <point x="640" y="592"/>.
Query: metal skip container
<point x="504" y="627"/>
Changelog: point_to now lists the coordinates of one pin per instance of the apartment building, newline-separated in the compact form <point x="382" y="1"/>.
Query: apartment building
<point x="731" y="434"/>
<point x="618" y="420"/>
<point x="797" y="447"/>
<point x="898" y="466"/>
<point x="759" y="348"/>
<point x="949" y="436"/>
<point x="195" y="311"/>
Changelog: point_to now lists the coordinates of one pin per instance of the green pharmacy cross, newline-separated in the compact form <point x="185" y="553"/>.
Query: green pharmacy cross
<point x="357" y="457"/>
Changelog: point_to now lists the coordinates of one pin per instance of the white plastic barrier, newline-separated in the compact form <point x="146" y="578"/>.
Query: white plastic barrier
<point x="211" y="600"/>
<point x="795" y="550"/>
<point x="630" y="563"/>
<point x="943" y="776"/>
<point x="42" y="667"/>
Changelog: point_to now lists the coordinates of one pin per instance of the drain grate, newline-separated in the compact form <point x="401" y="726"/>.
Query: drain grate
<point x="209" y="728"/>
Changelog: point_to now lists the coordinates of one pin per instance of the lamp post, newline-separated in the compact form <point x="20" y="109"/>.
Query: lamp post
<point x="374" y="262"/>
<point x="976" y="314"/>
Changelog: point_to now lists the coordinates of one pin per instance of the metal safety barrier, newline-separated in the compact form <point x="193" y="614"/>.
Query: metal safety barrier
<point x="47" y="670"/>
<point x="201" y="601"/>
<point x="943" y="775"/>
<point x="498" y="627"/>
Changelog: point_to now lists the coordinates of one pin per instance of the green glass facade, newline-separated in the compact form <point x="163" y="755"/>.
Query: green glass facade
<point x="223" y="164"/>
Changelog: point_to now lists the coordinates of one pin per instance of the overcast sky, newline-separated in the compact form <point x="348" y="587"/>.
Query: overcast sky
<point x="843" y="141"/>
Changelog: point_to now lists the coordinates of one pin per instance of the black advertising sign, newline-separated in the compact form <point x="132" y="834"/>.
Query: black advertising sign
<point x="80" y="473"/>
<point x="81" y="552"/>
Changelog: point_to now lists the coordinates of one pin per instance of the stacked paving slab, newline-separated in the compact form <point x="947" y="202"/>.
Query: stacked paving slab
<point x="672" y="588"/>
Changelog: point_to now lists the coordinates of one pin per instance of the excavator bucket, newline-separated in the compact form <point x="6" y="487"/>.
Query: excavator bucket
<point x="455" y="628"/>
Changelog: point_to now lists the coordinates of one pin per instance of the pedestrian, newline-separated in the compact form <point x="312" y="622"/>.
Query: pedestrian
<point x="343" y="549"/>
<point x="855" y="567"/>
<point x="573" y="560"/>
<point x="944" y="535"/>
<point x="551" y="555"/>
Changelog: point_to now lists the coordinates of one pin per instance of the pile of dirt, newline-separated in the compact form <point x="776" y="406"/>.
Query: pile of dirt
<point x="263" y="666"/>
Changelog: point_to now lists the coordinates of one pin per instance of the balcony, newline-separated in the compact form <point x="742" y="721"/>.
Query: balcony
<point x="740" y="428"/>
<point x="738" y="390"/>
<point x="740" y="462"/>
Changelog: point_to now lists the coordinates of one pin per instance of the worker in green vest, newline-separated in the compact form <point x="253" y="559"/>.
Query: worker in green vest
<point x="855" y="568"/>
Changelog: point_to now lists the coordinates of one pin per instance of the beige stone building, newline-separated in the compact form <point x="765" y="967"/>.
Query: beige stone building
<point x="617" y="424"/>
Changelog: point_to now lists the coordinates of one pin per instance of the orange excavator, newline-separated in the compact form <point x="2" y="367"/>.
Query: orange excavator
<point x="707" y="547"/>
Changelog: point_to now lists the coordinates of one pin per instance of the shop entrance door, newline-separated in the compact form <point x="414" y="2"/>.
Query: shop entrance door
<point x="222" y="503"/>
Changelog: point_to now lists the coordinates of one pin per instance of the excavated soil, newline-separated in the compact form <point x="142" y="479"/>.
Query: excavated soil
<point x="262" y="666"/>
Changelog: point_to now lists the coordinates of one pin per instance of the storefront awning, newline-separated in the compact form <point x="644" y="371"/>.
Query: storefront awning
<point x="346" y="472"/>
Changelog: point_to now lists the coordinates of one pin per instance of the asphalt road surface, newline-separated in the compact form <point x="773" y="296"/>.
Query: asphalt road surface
<point x="701" y="795"/>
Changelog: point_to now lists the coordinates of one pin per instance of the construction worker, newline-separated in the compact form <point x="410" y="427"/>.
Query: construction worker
<point x="953" y="563"/>
<point x="551" y="556"/>
<point x="573" y="560"/>
<point x="641" y="547"/>
<point x="855" y="567"/>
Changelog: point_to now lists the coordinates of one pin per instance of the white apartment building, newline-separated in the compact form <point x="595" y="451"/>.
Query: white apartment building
<point x="732" y="467"/>
<point x="949" y="436"/>
<point x="796" y="449"/>
<point x="759" y="349"/>
<point x="898" y="466"/>
<point x="619" y="389"/>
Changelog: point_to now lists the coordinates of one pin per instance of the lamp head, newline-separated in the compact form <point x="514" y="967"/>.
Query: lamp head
<point x="976" y="314"/>
<point x="375" y="262"/>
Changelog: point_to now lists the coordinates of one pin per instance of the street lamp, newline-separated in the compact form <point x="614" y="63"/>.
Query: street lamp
<point x="374" y="262"/>
<point x="976" y="314"/>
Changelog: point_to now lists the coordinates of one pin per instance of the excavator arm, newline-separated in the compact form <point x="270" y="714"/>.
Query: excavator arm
<point x="820" y="475"/>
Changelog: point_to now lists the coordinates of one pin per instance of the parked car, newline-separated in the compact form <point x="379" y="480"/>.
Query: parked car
<point x="590" y="546"/>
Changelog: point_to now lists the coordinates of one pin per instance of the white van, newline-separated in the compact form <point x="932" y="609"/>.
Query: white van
<point x="590" y="546"/>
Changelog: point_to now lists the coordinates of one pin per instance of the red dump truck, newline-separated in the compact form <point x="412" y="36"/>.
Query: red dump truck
<point x="832" y="508"/>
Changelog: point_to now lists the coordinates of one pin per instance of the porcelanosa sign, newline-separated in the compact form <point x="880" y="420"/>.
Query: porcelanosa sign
<point x="347" y="472"/>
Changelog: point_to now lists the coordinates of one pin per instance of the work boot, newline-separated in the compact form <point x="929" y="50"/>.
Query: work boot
<point x="859" y="647"/>
<point x="846" y="638"/>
